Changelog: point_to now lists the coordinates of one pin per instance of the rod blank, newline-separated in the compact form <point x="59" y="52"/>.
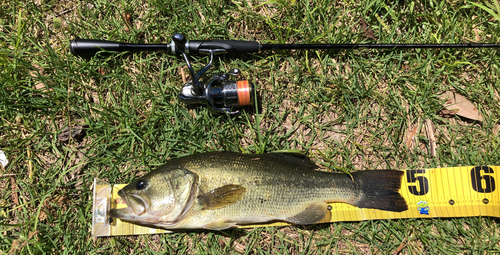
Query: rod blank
<point x="375" y="46"/>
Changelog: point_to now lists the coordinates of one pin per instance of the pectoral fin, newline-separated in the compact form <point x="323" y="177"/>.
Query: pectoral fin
<point x="221" y="197"/>
<point x="310" y="215"/>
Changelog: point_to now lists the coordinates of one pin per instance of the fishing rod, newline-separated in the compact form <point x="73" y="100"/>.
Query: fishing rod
<point x="220" y="93"/>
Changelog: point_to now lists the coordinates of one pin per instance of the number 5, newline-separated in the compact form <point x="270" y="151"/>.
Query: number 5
<point x="423" y="183"/>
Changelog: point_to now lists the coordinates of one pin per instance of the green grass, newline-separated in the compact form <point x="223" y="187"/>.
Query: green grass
<point x="349" y="110"/>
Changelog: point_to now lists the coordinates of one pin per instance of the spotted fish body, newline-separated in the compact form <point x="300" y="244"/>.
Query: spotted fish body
<point x="219" y="190"/>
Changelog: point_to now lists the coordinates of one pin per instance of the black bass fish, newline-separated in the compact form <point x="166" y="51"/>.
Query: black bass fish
<point x="220" y="190"/>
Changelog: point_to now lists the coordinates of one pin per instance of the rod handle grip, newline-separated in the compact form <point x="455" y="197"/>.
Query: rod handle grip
<point x="229" y="46"/>
<point x="89" y="47"/>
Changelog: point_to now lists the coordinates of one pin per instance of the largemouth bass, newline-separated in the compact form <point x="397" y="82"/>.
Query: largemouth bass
<point x="220" y="190"/>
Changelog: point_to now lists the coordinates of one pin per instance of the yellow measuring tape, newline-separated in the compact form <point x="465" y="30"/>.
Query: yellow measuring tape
<point x="430" y="193"/>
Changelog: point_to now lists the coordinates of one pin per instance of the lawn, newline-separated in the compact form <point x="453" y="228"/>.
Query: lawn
<point x="346" y="109"/>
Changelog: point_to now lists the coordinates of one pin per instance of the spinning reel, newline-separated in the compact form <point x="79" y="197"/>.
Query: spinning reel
<point x="221" y="93"/>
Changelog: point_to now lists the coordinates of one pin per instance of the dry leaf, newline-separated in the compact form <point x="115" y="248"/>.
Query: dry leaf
<point x="14" y="247"/>
<point x="101" y="70"/>
<point x="410" y="137"/>
<point x="15" y="197"/>
<point x="366" y="30"/>
<point x="17" y="245"/>
<point x="71" y="133"/>
<point x="240" y="247"/>
<point x="128" y="22"/>
<point x="430" y="135"/>
<point x="34" y="74"/>
<point x="462" y="106"/>
<point x="183" y="75"/>
<point x="401" y="246"/>
<point x="448" y="112"/>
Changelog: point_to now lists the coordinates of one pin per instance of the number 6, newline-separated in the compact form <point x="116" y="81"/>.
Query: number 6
<point x="476" y="177"/>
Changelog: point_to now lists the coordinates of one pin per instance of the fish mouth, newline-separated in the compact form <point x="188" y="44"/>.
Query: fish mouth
<point x="134" y="202"/>
<point x="123" y="213"/>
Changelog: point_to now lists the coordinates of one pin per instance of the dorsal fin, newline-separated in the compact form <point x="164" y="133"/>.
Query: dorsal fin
<point x="294" y="158"/>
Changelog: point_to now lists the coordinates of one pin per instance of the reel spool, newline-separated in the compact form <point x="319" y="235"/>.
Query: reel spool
<point x="220" y="94"/>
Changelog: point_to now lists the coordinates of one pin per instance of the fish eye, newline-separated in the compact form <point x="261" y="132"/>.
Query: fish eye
<point x="140" y="185"/>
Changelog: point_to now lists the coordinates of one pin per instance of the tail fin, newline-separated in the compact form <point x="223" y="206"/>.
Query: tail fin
<point x="380" y="190"/>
